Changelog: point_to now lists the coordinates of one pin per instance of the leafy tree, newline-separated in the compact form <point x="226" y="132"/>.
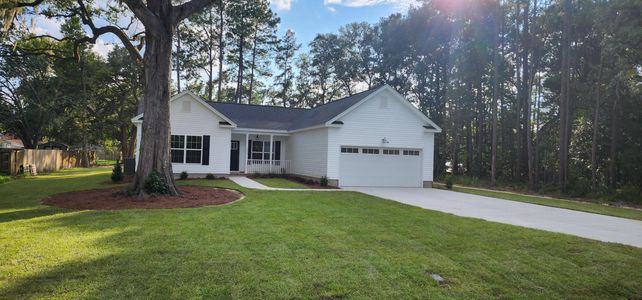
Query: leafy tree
<point x="285" y="53"/>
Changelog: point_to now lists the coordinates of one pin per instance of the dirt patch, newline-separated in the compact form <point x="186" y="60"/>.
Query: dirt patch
<point x="111" y="199"/>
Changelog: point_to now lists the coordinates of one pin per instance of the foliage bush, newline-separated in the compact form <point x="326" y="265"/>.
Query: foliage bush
<point x="4" y="179"/>
<point x="117" y="173"/>
<point x="210" y="176"/>
<point x="154" y="184"/>
<point x="629" y="193"/>
<point x="184" y="175"/>
<point x="323" y="181"/>
<point x="449" y="182"/>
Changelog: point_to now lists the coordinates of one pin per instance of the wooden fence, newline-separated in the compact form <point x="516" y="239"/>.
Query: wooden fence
<point x="44" y="160"/>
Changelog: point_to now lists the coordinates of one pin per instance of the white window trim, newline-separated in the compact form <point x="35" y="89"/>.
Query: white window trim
<point x="185" y="149"/>
<point x="263" y="152"/>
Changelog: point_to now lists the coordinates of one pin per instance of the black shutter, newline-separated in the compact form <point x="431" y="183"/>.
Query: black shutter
<point x="206" y="150"/>
<point x="277" y="150"/>
<point x="249" y="149"/>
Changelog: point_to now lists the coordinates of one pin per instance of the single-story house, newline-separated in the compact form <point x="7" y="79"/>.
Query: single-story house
<point x="373" y="138"/>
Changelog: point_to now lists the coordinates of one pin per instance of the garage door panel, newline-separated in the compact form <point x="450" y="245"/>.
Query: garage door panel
<point x="358" y="169"/>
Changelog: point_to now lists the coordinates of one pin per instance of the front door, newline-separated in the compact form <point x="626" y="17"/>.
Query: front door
<point x="234" y="156"/>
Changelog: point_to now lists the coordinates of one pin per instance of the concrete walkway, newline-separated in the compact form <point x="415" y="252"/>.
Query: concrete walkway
<point x="252" y="184"/>
<point x="588" y="225"/>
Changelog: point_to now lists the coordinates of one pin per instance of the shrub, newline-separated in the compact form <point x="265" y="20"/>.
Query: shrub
<point x="184" y="175"/>
<point x="449" y="182"/>
<point x="323" y="181"/>
<point x="209" y="176"/>
<point x="154" y="184"/>
<point x="117" y="173"/>
<point x="629" y="193"/>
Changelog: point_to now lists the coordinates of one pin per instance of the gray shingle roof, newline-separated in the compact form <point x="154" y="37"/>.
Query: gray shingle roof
<point x="283" y="118"/>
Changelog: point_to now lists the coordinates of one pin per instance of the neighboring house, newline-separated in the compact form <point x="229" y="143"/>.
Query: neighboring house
<point x="10" y="141"/>
<point x="54" y="145"/>
<point x="373" y="138"/>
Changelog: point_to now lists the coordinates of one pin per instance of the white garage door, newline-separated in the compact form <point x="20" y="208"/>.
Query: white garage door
<point x="365" y="166"/>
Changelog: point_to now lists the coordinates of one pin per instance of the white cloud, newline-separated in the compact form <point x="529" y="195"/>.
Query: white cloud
<point x="282" y="4"/>
<point x="332" y="9"/>
<point x="102" y="48"/>
<point x="45" y="26"/>
<point x="399" y="4"/>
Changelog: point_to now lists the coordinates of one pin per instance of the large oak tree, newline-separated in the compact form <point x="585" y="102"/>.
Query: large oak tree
<point x="159" y="18"/>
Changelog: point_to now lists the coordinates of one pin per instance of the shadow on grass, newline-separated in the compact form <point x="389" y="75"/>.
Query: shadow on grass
<point x="27" y="214"/>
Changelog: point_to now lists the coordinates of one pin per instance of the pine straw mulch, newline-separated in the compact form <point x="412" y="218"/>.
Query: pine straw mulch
<point x="113" y="199"/>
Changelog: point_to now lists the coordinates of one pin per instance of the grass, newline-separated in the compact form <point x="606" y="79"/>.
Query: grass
<point x="105" y="162"/>
<point x="596" y="208"/>
<point x="289" y="244"/>
<point x="281" y="183"/>
<point x="4" y="179"/>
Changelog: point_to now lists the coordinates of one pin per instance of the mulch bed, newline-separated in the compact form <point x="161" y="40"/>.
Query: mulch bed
<point x="112" y="199"/>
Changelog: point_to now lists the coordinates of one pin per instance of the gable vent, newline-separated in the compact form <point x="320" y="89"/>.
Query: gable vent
<point x="383" y="103"/>
<point x="186" y="106"/>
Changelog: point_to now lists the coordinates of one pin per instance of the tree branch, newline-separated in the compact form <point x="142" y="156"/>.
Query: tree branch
<point x="98" y="31"/>
<point x="20" y="4"/>
<point x="146" y="16"/>
<point x="186" y="9"/>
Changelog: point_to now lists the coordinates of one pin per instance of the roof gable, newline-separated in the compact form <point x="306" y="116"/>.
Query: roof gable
<point x="398" y="97"/>
<point x="139" y="118"/>
<point x="264" y="117"/>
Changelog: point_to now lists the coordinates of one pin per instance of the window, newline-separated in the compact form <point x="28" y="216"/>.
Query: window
<point x="349" y="150"/>
<point x="235" y="145"/>
<point x="391" y="151"/>
<point x="411" y="152"/>
<point x="186" y="149"/>
<point x="369" y="151"/>
<point x="194" y="150"/>
<point x="177" y="148"/>
<point x="260" y="150"/>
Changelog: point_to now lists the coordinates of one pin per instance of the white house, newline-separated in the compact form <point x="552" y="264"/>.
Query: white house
<point x="373" y="138"/>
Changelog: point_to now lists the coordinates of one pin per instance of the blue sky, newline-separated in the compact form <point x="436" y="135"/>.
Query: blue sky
<point x="306" y="18"/>
<point x="309" y="17"/>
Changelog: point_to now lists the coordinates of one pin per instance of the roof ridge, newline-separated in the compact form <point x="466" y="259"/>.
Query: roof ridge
<point x="261" y="105"/>
<point x="355" y="94"/>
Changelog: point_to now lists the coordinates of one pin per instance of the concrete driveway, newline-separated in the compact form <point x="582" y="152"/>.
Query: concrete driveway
<point x="592" y="226"/>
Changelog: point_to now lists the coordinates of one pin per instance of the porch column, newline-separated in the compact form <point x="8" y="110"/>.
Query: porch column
<point x="247" y="150"/>
<point x="271" y="151"/>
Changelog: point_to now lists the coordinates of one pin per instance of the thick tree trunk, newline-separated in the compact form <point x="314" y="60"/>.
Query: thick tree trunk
<point x="480" y="129"/>
<point x="239" y="79"/>
<point x="154" y="150"/>
<point x="178" y="58"/>
<point x="493" y="151"/>
<point x="564" y="98"/>
<point x="614" y="133"/>
<point x="537" y="134"/>
<point x="210" y="57"/>
<point x="254" y="42"/>
<point x="596" y="121"/>
<point x="526" y="94"/>
<point x="221" y="50"/>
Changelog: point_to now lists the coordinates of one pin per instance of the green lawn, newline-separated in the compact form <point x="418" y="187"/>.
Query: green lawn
<point x="281" y="183"/>
<point x="103" y="162"/>
<point x="597" y="208"/>
<point x="4" y="179"/>
<point x="289" y="244"/>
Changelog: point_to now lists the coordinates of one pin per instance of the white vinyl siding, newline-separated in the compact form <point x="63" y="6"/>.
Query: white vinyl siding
<point x="308" y="152"/>
<point x="199" y="121"/>
<point x="368" y="124"/>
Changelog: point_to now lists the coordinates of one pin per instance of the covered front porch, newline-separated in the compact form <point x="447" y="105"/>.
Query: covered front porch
<point x="259" y="152"/>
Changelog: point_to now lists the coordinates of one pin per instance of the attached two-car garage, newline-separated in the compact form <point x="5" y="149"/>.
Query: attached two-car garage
<point x="383" y="167"/>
